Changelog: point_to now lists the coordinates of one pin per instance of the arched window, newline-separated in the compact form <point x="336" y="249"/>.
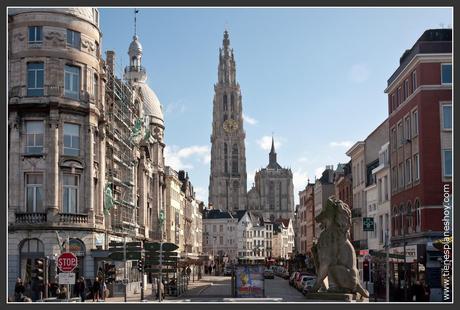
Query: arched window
<point x="417" y="215"/>
<point x="232" y="102"/>
<point x="410" y="218"/>
<point x="225" y="157"/>
<point x="29" y="250"/>
<point x="235" y="159"/>
<point x="225" y="102"/>
<point x="402" y="224"/>
<point x="394" y="221"/>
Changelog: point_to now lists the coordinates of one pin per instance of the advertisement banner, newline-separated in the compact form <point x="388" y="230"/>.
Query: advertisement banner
<point x="250" y="281"/>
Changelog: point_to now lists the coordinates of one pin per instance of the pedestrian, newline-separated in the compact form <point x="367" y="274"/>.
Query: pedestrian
<point x="96" y="289"/>
<point x="62" y="292"/>
<point x="101" y="288"/>
<point x="81" y="289"/>
<point x="19" y="290"/>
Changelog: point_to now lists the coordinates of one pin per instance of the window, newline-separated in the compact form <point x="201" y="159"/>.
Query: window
<point x="393" y="102"/>
<point x="446" y="73"/>
<point x="73" y="39"/>
<point x="235" y="159"/>
<point x="34" y="137"/>
<point x="380" y="190"/>
<point x="401" y="175"/>
<point x="414" y="81"/>
<point x="414" y="123"/>
<point x="406" y="89"/>
<point x="400" y="134"/>
<point x="70" y="193"/>
<point x="71" y="139"/>
<point x="95" y="87"/>
<point x="417" y="215"/>
<point x="35" y="35"/>
<point x="447" y="160"/>
<point x="34" y="192"/>
<point x="385" y="188"/>
<point x="35" y="73"/>
<point x="393" y="138"/>
<point x="407" y="128"/>
<point x="221" y="228"/>
<point x="72" y="82"/>
<point x="408" y="171"/>
<point x="446" y="116"/>
<point x="399" y="96"/>
<point x="416" y="167"/>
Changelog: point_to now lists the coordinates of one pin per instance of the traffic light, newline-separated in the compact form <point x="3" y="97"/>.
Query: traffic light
<point x="140" y="265"/>
<point x="39" y="269"/>
<point x="366" y="271"/>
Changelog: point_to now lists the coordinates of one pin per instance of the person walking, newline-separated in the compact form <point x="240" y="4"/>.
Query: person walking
<point x="96" y="289"/>
<point x="81" y="289"/>
<point x="19" y="290"/>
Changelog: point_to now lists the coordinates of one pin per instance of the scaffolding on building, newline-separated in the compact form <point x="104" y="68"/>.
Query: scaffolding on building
<point x="121" y="114"/>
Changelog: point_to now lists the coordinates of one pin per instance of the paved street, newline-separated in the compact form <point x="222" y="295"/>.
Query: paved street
<point x="280" y="288"/>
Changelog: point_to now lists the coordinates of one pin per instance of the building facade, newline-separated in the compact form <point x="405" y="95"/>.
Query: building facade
<point x="272" y="196"/>
<point x="72" y="145"/>
<point x="420" y="124"/>
<point x="324" y="188"/>
<point x="227" y="181"/>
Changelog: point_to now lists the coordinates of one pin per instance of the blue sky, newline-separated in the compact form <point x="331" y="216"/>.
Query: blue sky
<point x="315" y="77"/>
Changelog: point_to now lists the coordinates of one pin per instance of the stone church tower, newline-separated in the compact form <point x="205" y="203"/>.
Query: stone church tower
<point x="227" y="182"/>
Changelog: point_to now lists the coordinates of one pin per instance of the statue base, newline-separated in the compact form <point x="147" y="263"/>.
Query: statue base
<point x="336" y="297"/>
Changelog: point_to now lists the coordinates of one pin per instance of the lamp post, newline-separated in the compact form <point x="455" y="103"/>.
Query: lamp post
<point x="407" y="213"/>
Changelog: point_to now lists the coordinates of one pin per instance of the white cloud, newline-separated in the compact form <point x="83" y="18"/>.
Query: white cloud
<point x="319" y="171"/>
<point x="201" y="193"/>
<point x="175" y="107"/>
<point x="265" y="143"/>
<point x="299" y="179"/>
<point x="249" y="120"/>
<point x="359" y="73"/>
<point x="179" y="158"/>
<point x="346" y="144"/>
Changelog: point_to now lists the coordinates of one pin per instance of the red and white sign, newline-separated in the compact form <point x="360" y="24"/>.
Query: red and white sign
<point x="67" y="262"/>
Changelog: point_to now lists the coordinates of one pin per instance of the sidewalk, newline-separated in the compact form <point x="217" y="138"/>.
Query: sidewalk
<point x="194" y="289"/>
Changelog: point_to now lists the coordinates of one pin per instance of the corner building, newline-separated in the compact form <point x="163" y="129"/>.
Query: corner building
<point x="420" y="124"/>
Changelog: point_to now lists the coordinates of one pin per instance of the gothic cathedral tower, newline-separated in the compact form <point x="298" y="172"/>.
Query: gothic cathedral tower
<point x="227" y="182"/>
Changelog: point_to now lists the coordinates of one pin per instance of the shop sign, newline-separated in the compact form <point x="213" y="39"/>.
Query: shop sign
<point x="76" y="247"/>
<point x="100" y="238"/>
<point x="411" y="253"/>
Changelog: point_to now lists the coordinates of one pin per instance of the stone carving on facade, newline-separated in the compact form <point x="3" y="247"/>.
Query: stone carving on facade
<point x="19" y="36"/>
<point x="55" y="37"/>
<point x="87" y="44"/>
<point x="334" y="256"/>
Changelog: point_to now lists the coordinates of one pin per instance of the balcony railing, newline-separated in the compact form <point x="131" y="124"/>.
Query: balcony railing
<point x="134" y="69"/>
<point x="73" y="218"/>
<point x="30" y="218"/>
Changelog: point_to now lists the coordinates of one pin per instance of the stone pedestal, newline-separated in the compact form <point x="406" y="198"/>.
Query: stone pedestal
<point x="336" y="297"/>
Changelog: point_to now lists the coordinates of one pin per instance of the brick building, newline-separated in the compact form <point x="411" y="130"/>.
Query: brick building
<point x="420" y="124"/>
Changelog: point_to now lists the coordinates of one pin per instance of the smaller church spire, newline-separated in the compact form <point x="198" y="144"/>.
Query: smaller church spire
<point x="272" y="156"/>
<point x="273" y="146"/>
<point x="226" y="40"/>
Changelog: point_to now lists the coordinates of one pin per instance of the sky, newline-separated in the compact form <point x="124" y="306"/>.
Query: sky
<point x="312" y="77"/>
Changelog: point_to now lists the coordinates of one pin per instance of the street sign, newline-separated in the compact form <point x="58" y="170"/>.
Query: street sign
<point x="368" y="224"/>
<point x="164" y="255"/>
<point x="67" y="278"/>
<point x="155" y="246"/>
<point x="134" y="244"/>
<point x="67" y="262"/>
<point x="129" y="255"/>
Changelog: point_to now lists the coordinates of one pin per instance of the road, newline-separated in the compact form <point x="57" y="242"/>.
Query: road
<point x="218" y="288"/>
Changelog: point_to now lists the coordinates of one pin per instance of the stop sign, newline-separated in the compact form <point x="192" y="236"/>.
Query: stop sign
<point x="67" y="262"/>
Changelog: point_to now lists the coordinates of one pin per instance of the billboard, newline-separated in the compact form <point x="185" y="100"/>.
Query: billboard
<point x="249" y="281"/>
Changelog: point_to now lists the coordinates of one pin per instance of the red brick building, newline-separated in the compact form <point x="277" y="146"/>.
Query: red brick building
<point x="420" y="125"/>
<point x="344" y="184"/>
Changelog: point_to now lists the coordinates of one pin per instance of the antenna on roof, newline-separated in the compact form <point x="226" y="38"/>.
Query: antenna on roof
<point x="441" y="25"/>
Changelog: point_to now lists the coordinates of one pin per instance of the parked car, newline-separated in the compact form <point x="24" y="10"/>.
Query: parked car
<point x="308" y="283"/>
<point x="285" y="274"/>
<point x="268" y="274"/>
<point x="228" y="271"/>
<point x="298" y="282"/>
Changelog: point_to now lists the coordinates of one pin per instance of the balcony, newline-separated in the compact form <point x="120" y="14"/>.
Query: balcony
<point x="30" y="218"/>
<point x="73" y="218"/>
<point x="355" y="213"/>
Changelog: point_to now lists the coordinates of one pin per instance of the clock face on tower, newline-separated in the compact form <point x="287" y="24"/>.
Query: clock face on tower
<point x="230" y="125"/>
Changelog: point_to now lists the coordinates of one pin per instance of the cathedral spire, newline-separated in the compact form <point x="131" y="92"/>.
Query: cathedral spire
<point x="227" y="70"/>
